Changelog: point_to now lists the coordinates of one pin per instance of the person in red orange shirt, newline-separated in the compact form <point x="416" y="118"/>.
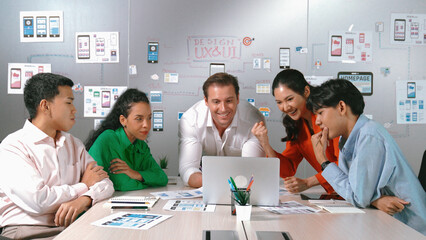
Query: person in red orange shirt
<point x="291" y="90"/>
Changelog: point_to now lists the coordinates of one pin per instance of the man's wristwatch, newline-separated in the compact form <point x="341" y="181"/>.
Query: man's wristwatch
<point x="324" y="165"/>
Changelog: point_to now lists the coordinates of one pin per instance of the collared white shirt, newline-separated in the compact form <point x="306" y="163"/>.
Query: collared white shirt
<point x="198" y="137"/>
<point x="38" y="174"/>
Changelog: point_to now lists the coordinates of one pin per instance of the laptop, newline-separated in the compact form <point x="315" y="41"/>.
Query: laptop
<point x="217" y="170"/>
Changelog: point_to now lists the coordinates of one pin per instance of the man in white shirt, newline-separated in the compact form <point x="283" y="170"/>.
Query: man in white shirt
<point x="47" y="178"/>
<point x="219" y="125"/>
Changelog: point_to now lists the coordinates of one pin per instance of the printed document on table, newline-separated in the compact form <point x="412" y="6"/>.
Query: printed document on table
<point x="291" y="207"/>
<point x="188" y="206"/>
<point x="194" y="193"/>
<point x="131" y="220"/>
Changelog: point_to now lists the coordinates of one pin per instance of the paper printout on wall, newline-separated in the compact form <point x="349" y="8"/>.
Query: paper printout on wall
<point x="19" y="73"/>
<point x="410" y="102"/>
<point x="97" y="47"/>
<point x="98" y="100"/>
<point x="41" y="26"/>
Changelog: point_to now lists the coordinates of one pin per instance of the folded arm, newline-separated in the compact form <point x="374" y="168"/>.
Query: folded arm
<point x="24" y="185"/>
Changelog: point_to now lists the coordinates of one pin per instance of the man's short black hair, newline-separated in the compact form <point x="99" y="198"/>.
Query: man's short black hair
<point x="330" y="93"/>
<point x="43" y="86"/>
<point x="221" y="79"/>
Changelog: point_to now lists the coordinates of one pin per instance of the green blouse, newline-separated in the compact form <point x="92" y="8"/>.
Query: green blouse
<point x="115" y="144"/>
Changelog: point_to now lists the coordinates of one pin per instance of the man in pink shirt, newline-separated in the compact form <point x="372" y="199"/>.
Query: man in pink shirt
<point x="47" y="178"/>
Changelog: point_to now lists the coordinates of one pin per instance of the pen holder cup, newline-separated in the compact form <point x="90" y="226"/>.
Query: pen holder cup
<point x="241" y="192"/>
<point x="243" y="212"/>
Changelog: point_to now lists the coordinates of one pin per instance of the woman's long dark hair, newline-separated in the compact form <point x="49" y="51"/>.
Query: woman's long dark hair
<point x="121" y="107"/>
<point x="294" y="80"/>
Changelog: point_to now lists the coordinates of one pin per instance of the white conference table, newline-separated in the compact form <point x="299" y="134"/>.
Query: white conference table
<point x="373" y="224"/>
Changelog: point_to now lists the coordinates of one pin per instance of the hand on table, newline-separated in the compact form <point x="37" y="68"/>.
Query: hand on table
<point x="195" y="180"/>
<point x="69" y="211"/>
<point x="390" y="204"/>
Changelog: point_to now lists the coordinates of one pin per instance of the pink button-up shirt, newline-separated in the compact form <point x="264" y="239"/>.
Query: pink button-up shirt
<point x="38" y="174"/>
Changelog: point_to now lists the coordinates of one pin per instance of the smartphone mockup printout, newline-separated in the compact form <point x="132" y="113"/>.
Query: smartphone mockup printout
<point x="407" y="104"/>
<point x="399" y="33"/>
<point x="336" y="45"/>
<point x="54" y="26"/>
<point x="41" y="26"/>
<point x="284" y="57"/>
<point x="100" y="46"/>
<point x="414" y="30"/>
<point x="83" y="46"/>
<point x="28" y="75"/>
<point x="106" y="99"/>
<point x="349" y="46"/>
<point x="157" y="120"/>
<point x="28" y="27"/>
<point x="362" y="38"/>
<point x="152" y="52"/>
<point x="411" y="90"/>
<point x="114" y="39"/>
<point x="15" y="78"/>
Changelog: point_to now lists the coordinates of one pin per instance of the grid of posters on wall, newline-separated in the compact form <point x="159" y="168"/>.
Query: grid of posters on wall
<point x="408" y="29"/>
<point x="97" y="47"/>
<point x="19" y="73"/>
<point x="410" y="101"/>
<point x="350" y="46"/>
<point x="98" y="100"/>
<point x="41" y="26"/>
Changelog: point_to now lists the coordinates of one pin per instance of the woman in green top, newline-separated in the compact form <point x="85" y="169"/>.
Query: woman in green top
<point x="118" y="144"/>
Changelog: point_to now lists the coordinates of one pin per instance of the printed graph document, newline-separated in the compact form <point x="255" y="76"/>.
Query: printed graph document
<point x="336" y="206"/>
<point x="131" y="220"/>
<point x="291" y="207"/>
<point x="132" y="201"/>
<point x="188" y="206"/>
<point x="194" y="193"/>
